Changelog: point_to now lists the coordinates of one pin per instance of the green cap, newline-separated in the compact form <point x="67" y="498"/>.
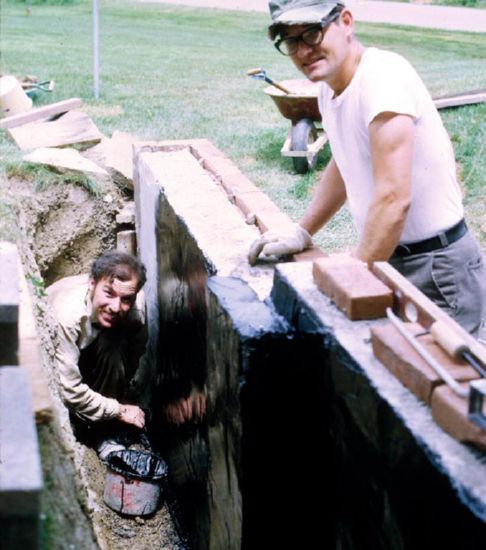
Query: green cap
<point x="299" y="12"/>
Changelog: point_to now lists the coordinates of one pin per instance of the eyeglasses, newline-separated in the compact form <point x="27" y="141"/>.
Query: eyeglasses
<point x="312" y="36"/>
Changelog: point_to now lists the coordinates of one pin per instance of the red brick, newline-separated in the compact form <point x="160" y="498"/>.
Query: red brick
<point x="451" y="413"/>
<point x="309" y="255"/>
<point x="254" y="201"/>
<point x="203" y="148"/>
<point x="352" y="287"/>
<point x="401" y="359"/>
<point x="271" y="219"/>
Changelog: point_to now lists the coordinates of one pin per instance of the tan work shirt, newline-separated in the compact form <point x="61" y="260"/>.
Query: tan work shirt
<point x="71" y="303"/>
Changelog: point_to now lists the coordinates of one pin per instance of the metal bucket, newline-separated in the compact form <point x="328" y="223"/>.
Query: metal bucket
<point x="133" y="482"/>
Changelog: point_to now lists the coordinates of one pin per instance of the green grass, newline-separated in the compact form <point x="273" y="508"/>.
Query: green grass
<point x="41" y="177"/>
<point x="481" y="4"/>
<point x="170" y="72"/>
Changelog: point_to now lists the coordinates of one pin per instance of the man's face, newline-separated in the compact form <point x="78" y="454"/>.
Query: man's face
<point x="112" y="300"/>
<point x="325" y="61"/>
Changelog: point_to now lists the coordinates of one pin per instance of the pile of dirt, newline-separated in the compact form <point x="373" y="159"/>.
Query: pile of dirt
<point x="65" y="225"/>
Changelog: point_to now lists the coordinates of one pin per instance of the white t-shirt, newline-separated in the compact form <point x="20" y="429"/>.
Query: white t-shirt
<point x="386" y="82"/>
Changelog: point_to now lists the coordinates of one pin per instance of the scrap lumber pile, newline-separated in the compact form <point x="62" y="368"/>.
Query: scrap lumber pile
<point x="63" y="137"/>
<point x="425" y="349"/>
<point x="458" y="100"/>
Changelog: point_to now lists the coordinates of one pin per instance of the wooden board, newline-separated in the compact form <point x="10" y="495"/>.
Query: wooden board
<point x="463" y="98"/>
<point x="64" y="158"/>
<point x="40" y="113"/>
<point x="30" y="356"/>
<point x="72" y="128"/>
<point x="119" y="153"/>
<point x="408" y="298"/>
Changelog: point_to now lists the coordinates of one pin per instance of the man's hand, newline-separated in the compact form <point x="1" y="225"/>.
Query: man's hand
<point x="283" y="241"/>
<point x="186" y="409"/>
<point x="131" y="414"/>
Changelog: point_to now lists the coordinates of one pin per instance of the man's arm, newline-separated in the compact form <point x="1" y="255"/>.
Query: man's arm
<point x="391" y="142"/>
<point x="77" y="395"/>
<point x="292" y="238"/>
<point x="329" y="196"/>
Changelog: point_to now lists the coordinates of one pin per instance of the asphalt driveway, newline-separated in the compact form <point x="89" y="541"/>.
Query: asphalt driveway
<point x="373" y="11"/>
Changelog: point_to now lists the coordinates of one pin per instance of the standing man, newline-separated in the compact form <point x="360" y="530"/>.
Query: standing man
<point x="102" y="336"/>
<point x="392" y="160"/>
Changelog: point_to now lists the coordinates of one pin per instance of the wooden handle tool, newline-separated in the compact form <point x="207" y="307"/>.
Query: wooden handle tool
<point x="453" y="344"/>
<point x="262" y="75"/>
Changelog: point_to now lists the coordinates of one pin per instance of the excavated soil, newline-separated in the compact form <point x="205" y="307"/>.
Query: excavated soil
<point x="63" y="228"/>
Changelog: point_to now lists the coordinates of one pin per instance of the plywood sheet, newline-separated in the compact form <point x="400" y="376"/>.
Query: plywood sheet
<point x="64" y="158"/>
<point x="40" y="113"/>
<point x="72" y="128"/>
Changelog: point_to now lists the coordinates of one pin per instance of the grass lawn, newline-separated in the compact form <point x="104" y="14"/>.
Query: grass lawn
<point x="170" y="72"/>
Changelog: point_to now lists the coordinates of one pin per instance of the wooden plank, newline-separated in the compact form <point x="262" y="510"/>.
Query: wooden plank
<point x="64" y="158"/>
<point x="40" y="113"/>
<point x="72" y="128"/>
<point x="410" y="302"/>
<point x="457" y="100"/>
<point x="119" y="155"/>
<point x="30" y="357"/>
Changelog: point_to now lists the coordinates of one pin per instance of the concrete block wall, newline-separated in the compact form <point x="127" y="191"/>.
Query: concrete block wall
<point x="20" y="469"/>
<point x="9" y="304"/>
<point x="401" y="481"/>
<point x="187" y="231"/>
<point x="298" y="415"/>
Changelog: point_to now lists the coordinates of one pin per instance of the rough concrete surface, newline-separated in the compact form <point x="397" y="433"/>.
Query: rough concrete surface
<point x="9" y="304"/>
<point x="20" y="469"/>
<point x="20" y="472"/>
<point x="464" y="466"/>
<point x="192" y="193"/>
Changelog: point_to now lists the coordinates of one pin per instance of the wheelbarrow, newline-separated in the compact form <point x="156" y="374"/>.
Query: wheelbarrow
<point x="32" y="86"/>
<point x="297" y="101"/>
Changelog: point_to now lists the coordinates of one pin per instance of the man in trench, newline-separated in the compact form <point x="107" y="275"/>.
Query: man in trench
<point x="392" y="160"/>
<point x="102" y="337"/>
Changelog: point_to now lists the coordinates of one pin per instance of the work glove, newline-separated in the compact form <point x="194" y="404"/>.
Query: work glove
<point x="283" y="241"/>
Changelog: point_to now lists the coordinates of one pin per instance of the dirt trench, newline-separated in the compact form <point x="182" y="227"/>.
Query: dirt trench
<point x="63" y="228"/>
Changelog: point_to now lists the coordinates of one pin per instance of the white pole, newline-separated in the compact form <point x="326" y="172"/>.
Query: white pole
<point x="96" y="50"/>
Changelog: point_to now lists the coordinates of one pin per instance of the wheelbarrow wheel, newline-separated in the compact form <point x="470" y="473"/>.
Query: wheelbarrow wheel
<point x="303" y="133"/>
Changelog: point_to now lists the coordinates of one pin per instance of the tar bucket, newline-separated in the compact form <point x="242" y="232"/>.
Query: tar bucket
<point x="133" y="482"/>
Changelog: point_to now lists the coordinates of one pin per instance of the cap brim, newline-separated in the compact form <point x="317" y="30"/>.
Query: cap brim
<point x="301" y="16"/>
